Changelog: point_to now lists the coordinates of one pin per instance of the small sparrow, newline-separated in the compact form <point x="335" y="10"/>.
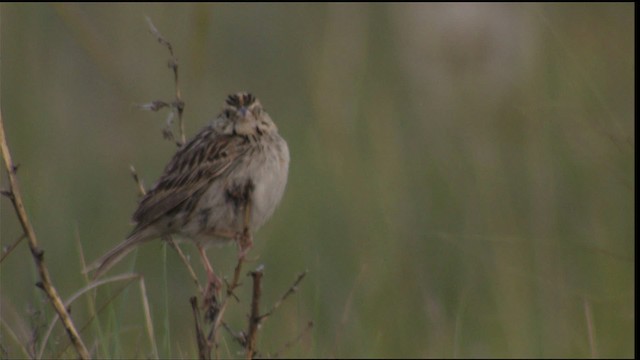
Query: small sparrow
<point x="220" y="186"/>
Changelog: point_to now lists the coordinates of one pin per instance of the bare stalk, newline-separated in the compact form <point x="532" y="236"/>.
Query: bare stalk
<point x="289" y="344"/>
<point x="7" y="250"/>
<point x="292" y="289"/>
<point x="38" y="254"/>
<point x="177" y="104"/>
<point x="204" y="346"/>
<point x="254" y="318"/>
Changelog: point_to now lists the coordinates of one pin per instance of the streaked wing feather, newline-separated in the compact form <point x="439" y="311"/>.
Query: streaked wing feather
<point x="192" y="168"/>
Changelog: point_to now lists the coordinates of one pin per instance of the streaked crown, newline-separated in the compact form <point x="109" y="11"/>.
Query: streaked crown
<point x="241" y="99"/>
<point x="243" y="114"/>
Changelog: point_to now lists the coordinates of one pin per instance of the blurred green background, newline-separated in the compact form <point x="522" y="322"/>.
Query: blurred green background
<point x="461" y="180"/>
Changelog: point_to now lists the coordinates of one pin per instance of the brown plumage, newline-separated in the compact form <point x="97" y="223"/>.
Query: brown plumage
<point x="237" y="163"/>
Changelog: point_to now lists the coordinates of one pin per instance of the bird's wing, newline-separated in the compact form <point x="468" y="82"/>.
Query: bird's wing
<point x="194" y="166"/>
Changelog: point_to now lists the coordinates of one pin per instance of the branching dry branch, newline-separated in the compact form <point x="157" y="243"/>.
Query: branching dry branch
<point x="204" y="346"/>
<point x="215" y="309"/>
<point x="211" y="313"/>
<point x="254" y="319"/>
<point x="292" y="289"/>
<point x="177" y="105"/>
<point x="38" y="255"/>
<point x="214" y="313"/>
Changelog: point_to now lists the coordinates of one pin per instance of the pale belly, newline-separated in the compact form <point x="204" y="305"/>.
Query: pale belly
<point x="220" y="214"/>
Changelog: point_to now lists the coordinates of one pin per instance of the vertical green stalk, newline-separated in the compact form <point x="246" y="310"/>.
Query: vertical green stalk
<point x="166" y="342"/>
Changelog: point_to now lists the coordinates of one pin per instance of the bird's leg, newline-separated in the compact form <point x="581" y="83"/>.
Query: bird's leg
<point x="245" y="242"/>
<point x="245" y="239"/>
<point x="242" y="238"/>
<point x="213" y="280"/>
<point x="210" y="298"/>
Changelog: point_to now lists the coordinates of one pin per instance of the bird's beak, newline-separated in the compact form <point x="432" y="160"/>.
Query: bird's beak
<point x="243" y="111"/>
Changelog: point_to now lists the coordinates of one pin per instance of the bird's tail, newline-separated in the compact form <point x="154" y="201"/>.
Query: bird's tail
<point x="106" y="261"/>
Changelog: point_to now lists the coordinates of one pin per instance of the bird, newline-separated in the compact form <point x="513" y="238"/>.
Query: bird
<point x="220" y="186"/>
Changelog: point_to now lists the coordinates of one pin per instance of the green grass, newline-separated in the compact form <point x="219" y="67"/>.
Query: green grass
<point x="461" y="179"/>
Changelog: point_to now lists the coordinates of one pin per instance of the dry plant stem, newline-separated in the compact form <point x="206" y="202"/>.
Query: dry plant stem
<point x="237" y="337"/>
<point x="124" y="277"/>
<point x="147" y="316"/>
<point x="136" y="178"/>
<point x="292" y="289"/>
<point x="128" y="277"/>
<point x="294" y="341"/>
<point x="212" y="278"/>
<point x="7" y="251"/>
<point x="230" y="287"/>
<point x="8" y="330"/>
<point x="38" y="255"/>
<point x="110" y="299"/>
<point x="192" y="273"/>
<point x="204" y="346"/>
<point x="235" y="282"/>
<point x="254" y="318"/>
<point x="178" y="104"/>
<point x="236" y="279"/>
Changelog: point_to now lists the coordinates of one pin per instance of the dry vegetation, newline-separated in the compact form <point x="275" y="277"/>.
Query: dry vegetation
<point x="208" y="322"/>
<point x="461" y="180"/>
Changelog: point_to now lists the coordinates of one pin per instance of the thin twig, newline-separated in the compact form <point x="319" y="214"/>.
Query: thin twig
<point x="204" y="346"/>
<point x="105" y="305"/>
<point x="186" y="262"/>
<point x="297" y="339"/>
<point x="139" y="183"/>
<point x="230" y="288"/>
<point x="239" y="337"/>
<point x="292" y="289"/>
<point x="75" y="296"/>
<point x="177" y="105"/>
<point x="235" y="282"/>
<point x="38" y="255"/>
<point x="254" y="318"/>
<point x="147" y="316"/>
<point x="236" y="278"/>
<point x="9" y="330"/>
<point x="8" y="249"/>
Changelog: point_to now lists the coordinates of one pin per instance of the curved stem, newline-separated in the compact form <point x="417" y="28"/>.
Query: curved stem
<point x="38" y="255"/>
